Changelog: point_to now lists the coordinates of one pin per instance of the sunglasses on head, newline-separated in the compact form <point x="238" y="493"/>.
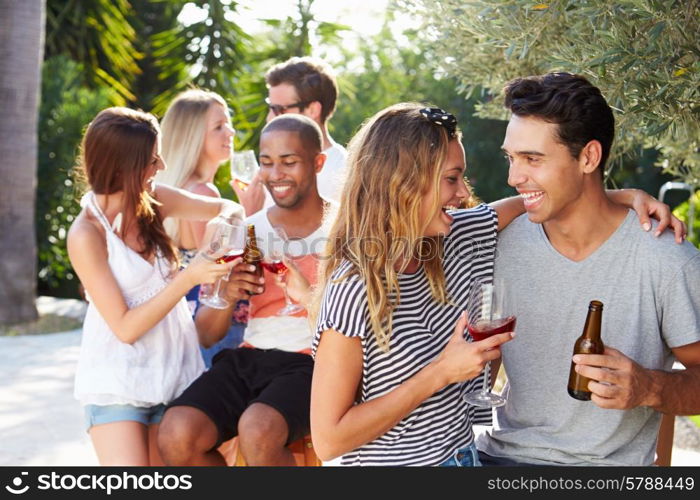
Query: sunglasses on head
<point x="278" y="109"/>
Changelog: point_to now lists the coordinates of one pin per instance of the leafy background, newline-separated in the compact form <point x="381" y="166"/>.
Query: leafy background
<point x="139" y="53"/>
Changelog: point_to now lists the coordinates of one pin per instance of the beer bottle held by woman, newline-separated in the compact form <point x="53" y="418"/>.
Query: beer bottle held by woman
<point x="588" y="343"/>
<point x="253" y="256"/>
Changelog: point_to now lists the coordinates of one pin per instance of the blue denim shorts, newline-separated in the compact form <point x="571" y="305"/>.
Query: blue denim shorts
<point x="464" y="457"/>
<point x="98" y="414"/>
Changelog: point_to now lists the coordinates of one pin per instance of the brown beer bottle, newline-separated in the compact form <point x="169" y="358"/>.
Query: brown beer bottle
<point x="588" y="343"/>
<point x="252" y="255"/>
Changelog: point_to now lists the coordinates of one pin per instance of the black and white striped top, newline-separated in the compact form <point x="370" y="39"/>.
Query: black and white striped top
<point x="442" y="424"/>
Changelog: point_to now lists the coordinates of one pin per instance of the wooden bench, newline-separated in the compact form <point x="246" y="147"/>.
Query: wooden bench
<point x="302" y="449"/>
<point x="304" y="454"/>
<point x="664" y="441"/>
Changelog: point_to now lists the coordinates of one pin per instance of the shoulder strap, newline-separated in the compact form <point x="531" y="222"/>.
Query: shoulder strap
<point x="97" y="211"/>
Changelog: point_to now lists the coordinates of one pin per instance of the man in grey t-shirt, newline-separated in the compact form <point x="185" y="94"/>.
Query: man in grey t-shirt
<point x="575" y="245"/>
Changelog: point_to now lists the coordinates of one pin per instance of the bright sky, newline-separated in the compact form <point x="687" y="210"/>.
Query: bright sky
<point x="364" y="16"/>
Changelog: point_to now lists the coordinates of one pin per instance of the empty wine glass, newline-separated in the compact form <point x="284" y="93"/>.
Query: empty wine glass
<point x="244" y="166"/>
<point x="489" y="312"/>
<point x="273" y="262"/>
<point x="222" y="235"/>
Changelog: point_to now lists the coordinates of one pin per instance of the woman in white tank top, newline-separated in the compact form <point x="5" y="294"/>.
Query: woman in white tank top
<point x="139" y="348"/>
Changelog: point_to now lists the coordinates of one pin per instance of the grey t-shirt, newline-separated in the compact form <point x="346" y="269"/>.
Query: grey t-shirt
<point x="650" y="289"/>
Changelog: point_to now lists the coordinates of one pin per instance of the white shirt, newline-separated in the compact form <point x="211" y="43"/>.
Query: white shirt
<point x="159" y="365"/>
<point x="331" y="179"/>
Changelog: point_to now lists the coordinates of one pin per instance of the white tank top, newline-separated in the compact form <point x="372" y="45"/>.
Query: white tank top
<point x="158" y="366"/>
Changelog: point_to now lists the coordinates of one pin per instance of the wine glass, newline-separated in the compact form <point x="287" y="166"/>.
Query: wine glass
<point x="229" y="236"/>
<point x="273" y="262"/>
<point x="489" y="312"/>
<point x="244" y="166"/>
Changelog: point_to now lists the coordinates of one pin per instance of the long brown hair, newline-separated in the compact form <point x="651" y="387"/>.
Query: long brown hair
<point x="115" y="154"/>
<point x="393" y="160"/>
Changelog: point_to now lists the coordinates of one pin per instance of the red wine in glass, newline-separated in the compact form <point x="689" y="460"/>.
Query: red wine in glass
<point x="231" y="255"/>
<point x="484" y="329"/>
<point x="275" y="266"/>
<point x="488" y="313"/>
<point x="227" y="235"/>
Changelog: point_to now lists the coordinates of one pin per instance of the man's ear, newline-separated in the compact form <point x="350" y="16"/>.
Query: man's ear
<point x="319" y="161"/>
<point x="313" y="111"/>
<point x="590" y="156"/>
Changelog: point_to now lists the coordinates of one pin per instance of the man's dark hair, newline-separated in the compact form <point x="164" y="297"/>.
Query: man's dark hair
<point x="570" y="101"/>
<point x="308" y="130"/>
<point x="312" y="79"/>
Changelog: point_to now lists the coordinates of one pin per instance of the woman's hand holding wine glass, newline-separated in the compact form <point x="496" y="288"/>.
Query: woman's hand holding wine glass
<point x="273" y="261"/>
<point x="489" y="313"/>
<point x="225" y="241"/>
<point x="294" y="282"/>
<point x="461" y="360"/>
<point x="206" y="269"/>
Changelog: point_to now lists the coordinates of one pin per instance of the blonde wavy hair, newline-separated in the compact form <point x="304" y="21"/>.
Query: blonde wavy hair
<point x="183" y="130"/>
<point x="393" y="161"/>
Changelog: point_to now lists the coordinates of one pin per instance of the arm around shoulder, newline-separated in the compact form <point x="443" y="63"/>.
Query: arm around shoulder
<point x="678" y="392"/>
<point x="204" y="206"/>
<point x="647" y="206"/>
<point x="507" y="210"/>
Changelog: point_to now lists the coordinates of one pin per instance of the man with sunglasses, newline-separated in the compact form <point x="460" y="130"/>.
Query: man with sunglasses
<point x="305" y="86"/>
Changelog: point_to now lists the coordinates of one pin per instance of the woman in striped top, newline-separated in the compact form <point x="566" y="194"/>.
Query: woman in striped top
<point x="391" y="359"/>
<point x="390" y="363"/>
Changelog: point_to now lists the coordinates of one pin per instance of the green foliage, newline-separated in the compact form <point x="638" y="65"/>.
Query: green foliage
<point x="389" y="73"/>
<point x="211" y="52"/>
<point x="216" y="54"/>
<point x="682" y="211"/>
<point x="97" y="34"/>
<point x="66" y="108"/>
<point x="643" y="54"/>
<point x="293" y="36"/>
<point x="695" y="419"/>
<point x="150" y="18"/>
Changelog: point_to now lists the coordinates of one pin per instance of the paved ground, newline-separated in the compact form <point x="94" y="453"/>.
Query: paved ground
<point x="41" y="423"/>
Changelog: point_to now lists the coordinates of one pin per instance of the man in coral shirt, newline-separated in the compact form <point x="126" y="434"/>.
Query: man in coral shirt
<point x="260" y="391"/>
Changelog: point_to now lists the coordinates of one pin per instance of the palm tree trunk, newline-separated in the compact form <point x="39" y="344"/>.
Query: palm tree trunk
<point x="21" y="49"/>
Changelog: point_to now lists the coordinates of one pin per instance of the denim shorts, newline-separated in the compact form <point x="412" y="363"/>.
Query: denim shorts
<point x="464" y="457"/>
<point x="98" y="414"/>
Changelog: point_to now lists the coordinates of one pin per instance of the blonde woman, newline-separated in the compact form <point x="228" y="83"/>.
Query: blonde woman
<point x="197" y="139"/>
<point x="390" y="365"/>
